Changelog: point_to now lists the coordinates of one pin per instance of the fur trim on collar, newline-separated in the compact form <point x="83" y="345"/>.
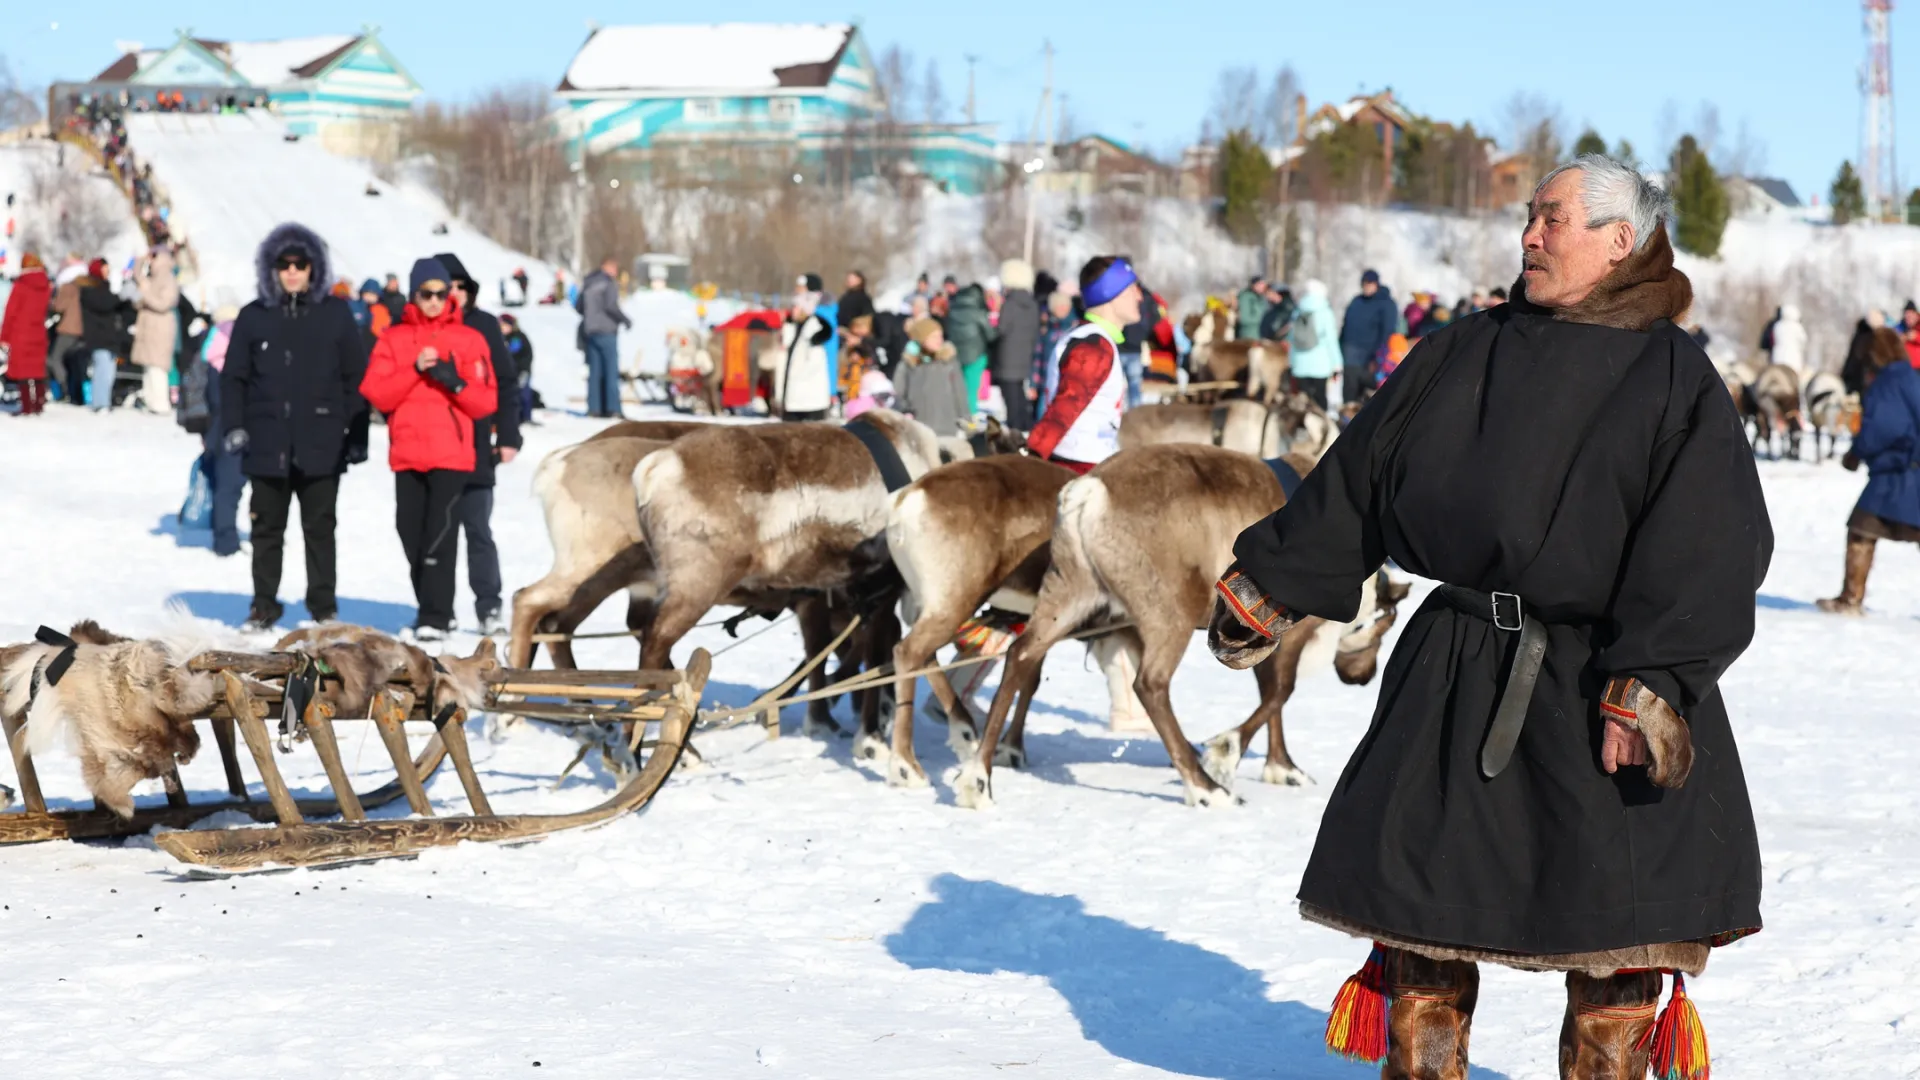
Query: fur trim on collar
<point x="1639" y="292"/>
<point x="290" y="236"/>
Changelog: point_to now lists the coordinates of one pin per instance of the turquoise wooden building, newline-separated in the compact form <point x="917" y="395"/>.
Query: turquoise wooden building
<point x="347" y="90"/>
<point x="724" y="101"/>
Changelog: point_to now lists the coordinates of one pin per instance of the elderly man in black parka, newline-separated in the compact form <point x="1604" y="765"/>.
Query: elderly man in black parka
<point x="496" y="440"/>
<point x="1550" y="780"/>
<point x="290" y="404"/>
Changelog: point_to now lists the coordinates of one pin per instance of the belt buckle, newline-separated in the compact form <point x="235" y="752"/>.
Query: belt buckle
<point x="1510" y="603"/>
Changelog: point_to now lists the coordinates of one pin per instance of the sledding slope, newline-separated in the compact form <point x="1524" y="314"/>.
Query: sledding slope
<point x="233" y="178"/>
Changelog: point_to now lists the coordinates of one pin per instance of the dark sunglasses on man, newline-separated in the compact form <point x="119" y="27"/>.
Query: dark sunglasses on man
<point x="292" y="262"/>
<point x="431" y="294"/>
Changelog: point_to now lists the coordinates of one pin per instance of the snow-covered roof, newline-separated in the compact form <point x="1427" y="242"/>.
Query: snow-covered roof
<point x="727" y="56"/>
<point x="270" y="63"/>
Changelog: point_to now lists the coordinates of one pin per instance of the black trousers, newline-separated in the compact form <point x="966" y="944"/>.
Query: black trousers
<point x="426" y="511"/>
<point x="272" y="504"/>
<point x="1019" y="409"/>
<point x="1313" y="388"/>
<point x="483" y="558"/>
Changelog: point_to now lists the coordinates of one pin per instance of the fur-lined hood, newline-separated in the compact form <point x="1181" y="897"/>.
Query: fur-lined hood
<point x="290" y="236"/>
<point x="1639" y="292"/>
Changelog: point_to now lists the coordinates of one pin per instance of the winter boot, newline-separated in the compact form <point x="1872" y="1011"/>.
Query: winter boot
<point x="1853" y="592"/>
<point x="1430" y="1015"/>
<point x="1607" y="1031"/>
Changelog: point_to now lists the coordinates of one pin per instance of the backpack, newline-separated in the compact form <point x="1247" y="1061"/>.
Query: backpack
<point x="1303" y="336"/>
<point x="194" y="412"/>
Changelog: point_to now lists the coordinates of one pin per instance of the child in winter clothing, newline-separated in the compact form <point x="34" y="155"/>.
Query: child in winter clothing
<point x="521" y="350"/>
<point x="929" y="381"/>
<point x="876" y="392"/>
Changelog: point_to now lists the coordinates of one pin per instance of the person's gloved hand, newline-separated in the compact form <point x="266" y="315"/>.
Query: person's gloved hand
<point x="235" y="441"/>
<point x="448" y="376"/>
<point x="356" y="453"/>
<point x="1246" y="624"/>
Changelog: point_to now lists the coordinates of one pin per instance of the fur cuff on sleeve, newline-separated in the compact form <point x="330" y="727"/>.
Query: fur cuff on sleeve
<point x="1254" y="608"/>
<point x="1669" y="743"/>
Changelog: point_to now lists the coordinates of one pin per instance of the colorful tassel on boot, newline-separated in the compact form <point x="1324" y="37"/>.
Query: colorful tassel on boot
<point x="1357" y="1023"/>
<point x="1679" y="1039"/>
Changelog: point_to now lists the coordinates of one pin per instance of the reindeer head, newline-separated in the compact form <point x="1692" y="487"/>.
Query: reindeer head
<point x="463" y="682"/>
<point x="1358" y="655"/>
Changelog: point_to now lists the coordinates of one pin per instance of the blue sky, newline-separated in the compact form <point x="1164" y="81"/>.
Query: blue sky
<point x="1144" y="72"/>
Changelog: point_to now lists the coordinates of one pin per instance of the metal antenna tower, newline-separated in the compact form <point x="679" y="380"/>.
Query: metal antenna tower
<point x="1877" y="175"/>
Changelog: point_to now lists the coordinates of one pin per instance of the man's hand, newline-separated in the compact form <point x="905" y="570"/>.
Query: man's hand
<point x="1621" y="745"/>
<point x="507" y="454"/>
<point x="235" y="441"/>
<point x="428" y="357"/>
<point x="1849" y="462"/>
<point x="447" y="376"/>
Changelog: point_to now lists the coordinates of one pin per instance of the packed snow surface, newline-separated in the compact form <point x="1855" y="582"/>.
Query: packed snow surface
<point x="782" y="912"/>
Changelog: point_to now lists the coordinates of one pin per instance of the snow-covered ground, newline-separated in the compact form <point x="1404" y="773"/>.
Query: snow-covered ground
<point x="781" y="912"/>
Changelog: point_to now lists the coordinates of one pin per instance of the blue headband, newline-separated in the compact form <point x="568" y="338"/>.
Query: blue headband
<point x="1111" y="283"/>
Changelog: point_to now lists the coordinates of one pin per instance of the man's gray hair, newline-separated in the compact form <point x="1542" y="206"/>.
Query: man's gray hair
<point x="1613" y="191"/>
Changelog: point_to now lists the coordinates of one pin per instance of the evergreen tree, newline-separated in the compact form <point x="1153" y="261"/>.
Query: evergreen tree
<point x="1699" y="202"/>
<point x="1623" y="152"/>
<point x="1913" y="207"/>
<point x="1244" y="175"/>
<point x="1589" y="142"/>
<point x="1845" y="196"/>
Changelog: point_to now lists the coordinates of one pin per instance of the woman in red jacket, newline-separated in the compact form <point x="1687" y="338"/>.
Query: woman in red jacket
<point x="23" y="333"/>
<point x="433" y="377"/>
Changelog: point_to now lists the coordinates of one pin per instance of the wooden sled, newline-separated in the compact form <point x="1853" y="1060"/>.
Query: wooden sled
<point x="629" y="698"/>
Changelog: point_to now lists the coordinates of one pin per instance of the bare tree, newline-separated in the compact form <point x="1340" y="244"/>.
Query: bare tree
<point x="1745" y="156"/>
<point x="933" y="96"/>
<point x="895" y="78"/>
<point x="1706" y="129"/>
<point x="1282" y="112"/>
<point x="1237" y="104"/>
<point x="499" y="165"/>
<point x="19" y="106"/>
<point x="1535" y="127"/>
<point x="69" y="211"/>
<point x="1666" y="129"/>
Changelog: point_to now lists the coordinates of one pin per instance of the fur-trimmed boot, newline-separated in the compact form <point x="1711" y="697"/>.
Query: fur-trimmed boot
<point x="1430" y="1016"/>
<point x="1853" y="592"/>
<point x="1607" y="1031"/>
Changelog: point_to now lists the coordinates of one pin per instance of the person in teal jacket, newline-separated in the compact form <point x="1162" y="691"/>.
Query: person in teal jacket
<point x="1315" y="341"/>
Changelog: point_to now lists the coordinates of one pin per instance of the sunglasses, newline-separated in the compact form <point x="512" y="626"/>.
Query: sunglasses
<point x="293" y="262"/>
<point x="431" y="294"/>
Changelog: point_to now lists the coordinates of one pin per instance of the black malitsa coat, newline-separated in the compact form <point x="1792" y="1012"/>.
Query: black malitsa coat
<point x="1589" y="460"/>
<point x="293" y="370"/>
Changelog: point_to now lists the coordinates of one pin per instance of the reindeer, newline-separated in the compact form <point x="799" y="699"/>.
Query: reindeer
<point x="971" y="533"/>
<point x="1288" y="423"/>
<point x="1827" y="406"/>
<point x="775" y="515"/>
<point x="1143" y="537"/>
<point x="1259" y="366"/>
<point x="1773" y="405"/>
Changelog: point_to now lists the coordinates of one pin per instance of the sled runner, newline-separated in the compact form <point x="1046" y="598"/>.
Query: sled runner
<point x="256" y="688"/>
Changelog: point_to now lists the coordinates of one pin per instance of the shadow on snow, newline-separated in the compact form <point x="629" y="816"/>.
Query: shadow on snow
<point x="231" y="609"/>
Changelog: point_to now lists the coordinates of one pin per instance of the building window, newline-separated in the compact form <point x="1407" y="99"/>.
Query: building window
<point x="782" y="108"/>
<point x="702" y="109"/>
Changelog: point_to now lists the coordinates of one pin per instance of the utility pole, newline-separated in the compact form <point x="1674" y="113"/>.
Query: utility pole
<point x="971" y="59"/>
<point x="1043" y="132"/>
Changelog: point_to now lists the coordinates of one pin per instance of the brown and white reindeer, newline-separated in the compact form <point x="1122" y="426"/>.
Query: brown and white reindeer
<point x="777" y="515"/>
<point x="1259" y="366"/>
<point x="1289" y="423"/>
<point x="1142" y="538"/>
<point x="125" y="708"/>
<point x="362" y="661"/>
<point x="970" y="534"/>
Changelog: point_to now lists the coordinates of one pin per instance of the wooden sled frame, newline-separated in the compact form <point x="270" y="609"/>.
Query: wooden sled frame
<point x="670" y="698"/>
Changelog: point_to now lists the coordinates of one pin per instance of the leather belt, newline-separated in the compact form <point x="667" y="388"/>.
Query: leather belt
<point x="1508" y="614"/>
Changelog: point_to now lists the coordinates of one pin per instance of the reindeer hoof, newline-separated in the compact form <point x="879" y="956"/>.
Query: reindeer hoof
<point x="904" y="774"/>
<point x="868" y="748"/>
<point x="1013" y="757"/>
<point x="1285" y="775"/>
<point x="503" y="726"/>
<point x="962" y="740"/>
<point x="1214" y="799"/>
<point x="1222" y="757"/>
<point x="971" y="788"/>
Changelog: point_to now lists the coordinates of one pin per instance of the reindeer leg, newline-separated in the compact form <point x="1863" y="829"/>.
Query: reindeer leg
<point x="1013" y="753"/>
<point x="1164" y="641"/>
<point x="1277" y="678"/>
<point x="931" y="630"/>
<point x="1050" y="623"/>
<point x="816" y="630"/>
<point x="1225" y="750"/>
